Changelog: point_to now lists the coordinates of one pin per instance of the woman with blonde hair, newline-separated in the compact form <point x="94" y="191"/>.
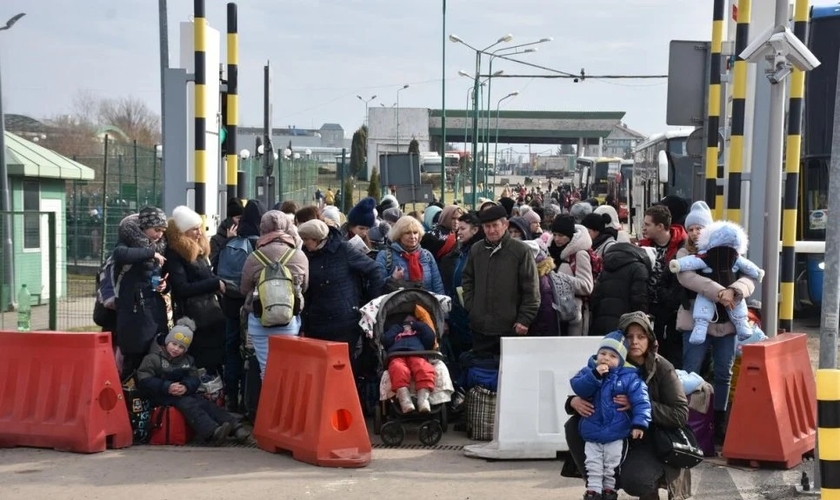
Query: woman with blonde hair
<point x="406" y="263"/>
<point x="195" y="287"/>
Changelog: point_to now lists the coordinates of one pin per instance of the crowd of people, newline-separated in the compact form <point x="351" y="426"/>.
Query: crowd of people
<point x="531" y="263"/>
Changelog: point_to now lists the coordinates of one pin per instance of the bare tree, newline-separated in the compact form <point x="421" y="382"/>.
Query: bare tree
<point x="133" y="117"/>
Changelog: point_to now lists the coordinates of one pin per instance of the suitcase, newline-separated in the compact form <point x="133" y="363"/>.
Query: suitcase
<point x="251" y="387"/>
<point x="169" y="427"/>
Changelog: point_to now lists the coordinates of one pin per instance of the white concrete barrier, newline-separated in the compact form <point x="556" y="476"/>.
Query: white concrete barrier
<point x="534" y="383"/>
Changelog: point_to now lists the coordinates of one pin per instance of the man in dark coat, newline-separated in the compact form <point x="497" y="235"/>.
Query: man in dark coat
<point x="500" y="285"/>
<point x="622" y="286"/>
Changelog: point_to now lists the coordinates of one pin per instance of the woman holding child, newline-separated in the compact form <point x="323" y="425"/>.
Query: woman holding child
<point x="642" y="473"/>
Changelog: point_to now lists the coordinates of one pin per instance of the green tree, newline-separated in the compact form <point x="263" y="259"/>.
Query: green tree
<point x="414" y="147"/>
<point x="347" y="195"/>
<point x="358" y="152"/>
<point x="373" y="187"/>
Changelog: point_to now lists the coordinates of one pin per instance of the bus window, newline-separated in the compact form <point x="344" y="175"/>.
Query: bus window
<point x="676" y="146"/>
<point x="814" y="202"/>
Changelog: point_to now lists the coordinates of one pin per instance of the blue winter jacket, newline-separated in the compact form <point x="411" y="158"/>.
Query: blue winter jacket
<point x="431" y="274"/>
<point x="608" y="424"/>
<point x="423" y="338"/>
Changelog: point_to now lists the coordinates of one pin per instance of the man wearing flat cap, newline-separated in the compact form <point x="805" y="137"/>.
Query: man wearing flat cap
<point x="500" y="284"/>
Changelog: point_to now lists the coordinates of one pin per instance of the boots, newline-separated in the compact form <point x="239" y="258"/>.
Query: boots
<point x="404" y="398"/>
<point x="423" y="405"/>
<point x="720" y="427"/>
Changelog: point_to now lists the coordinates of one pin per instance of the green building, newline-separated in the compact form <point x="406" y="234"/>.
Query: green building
<point x="37" y="181"/>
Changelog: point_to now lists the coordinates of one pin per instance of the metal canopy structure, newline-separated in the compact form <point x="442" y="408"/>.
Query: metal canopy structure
<point x="528" y="127"/>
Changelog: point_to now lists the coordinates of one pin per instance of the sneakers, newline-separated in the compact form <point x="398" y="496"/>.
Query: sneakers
<point x="609" y="495"/>
<point x="404" y="398"/>
<point x="240" y="433"/>
<point x="423" y="405"/>
<point x="592" y="495"/>
<point x="220" y="434"/>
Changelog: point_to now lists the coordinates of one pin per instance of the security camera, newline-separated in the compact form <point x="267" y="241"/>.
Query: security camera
<point x="796" y="51"/>
<point x="776" y="42"/>
<point x="780" y="73"/>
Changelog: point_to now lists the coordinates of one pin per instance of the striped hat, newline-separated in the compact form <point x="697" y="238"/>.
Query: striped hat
<point x="615" y="342"/>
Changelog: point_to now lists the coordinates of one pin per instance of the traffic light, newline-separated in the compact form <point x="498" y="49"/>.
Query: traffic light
<point x="223" y="142"/>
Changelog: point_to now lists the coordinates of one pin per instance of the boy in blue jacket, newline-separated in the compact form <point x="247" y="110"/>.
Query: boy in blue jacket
<point x="606" y="376"/>
<point x="168" y="377"/>
<point x="411" y="336"/>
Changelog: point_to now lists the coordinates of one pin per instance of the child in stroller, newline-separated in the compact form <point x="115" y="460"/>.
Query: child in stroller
<point x="399" y="342"/>
<point x="426" y="314"/>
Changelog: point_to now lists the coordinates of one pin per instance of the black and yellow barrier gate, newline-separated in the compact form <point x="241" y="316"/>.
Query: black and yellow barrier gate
<point x="828" y="432"/>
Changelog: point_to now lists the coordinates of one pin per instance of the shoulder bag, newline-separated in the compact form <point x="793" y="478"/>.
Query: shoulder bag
<point x="676" y="447"/>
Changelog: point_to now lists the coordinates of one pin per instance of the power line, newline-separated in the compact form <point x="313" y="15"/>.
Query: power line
<point x="576" y="77"/>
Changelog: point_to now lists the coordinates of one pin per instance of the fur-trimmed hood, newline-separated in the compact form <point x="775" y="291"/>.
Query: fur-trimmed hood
<point x="723" y="234"/>
<point x="581" y="241"/>
<point x="132" y="236"/>
<point x="187" y="248"/>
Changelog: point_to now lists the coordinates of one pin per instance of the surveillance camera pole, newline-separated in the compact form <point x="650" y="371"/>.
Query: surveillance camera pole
<point x="772" y="201"/>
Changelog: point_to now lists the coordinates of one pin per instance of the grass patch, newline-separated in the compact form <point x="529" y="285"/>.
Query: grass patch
<point x="84" y="329"/>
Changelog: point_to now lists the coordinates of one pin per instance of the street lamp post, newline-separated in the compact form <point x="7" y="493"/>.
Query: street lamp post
<point x="496" y="142"/>
<point x="6" y="197"/>
<point x="476" y="97"/>
<point x="366" y="101"/>
<point x="478" y="53"/>
<point x="398" y="115"/>
<point x="243" y="189"/>
<point x="504" y="51"/>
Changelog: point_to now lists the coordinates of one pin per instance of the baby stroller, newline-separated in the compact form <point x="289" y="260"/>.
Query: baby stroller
<point x="389" y="421"/>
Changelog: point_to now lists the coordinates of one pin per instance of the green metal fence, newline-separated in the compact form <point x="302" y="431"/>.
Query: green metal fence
<point x="127" y="177"/>
<point x="299" y="178"/>
<point x="34" y="256"/>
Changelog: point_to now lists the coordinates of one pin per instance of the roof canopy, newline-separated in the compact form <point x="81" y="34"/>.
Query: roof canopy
<point x="27" y="159"/>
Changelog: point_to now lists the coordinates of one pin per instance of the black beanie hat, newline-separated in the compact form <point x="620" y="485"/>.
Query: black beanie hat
<point x="234" y="207"/>
<point x="596" y="222"/>
<point x="563" y="224"/>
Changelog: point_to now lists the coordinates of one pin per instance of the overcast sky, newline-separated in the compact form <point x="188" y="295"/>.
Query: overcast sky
<point x="325" y="52"/>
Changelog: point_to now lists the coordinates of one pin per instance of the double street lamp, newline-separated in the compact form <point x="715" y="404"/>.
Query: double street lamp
<point x="366" y="101"/>
<point x="478" y="53"/>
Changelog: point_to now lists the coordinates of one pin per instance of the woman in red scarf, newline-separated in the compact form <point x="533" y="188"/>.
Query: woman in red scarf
<point x="406" y="263"/>
<point x="442" y="239"/>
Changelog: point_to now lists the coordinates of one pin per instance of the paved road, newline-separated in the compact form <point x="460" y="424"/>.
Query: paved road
<point x="408" y="474"/>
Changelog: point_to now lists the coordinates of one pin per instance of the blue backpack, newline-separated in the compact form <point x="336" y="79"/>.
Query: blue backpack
<point x="232" y="258"/>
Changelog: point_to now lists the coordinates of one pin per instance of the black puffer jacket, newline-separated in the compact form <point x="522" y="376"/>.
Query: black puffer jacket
<point x="141" y="311"/>
<point x="341" y="280"/>
<point x="621" y="287"/>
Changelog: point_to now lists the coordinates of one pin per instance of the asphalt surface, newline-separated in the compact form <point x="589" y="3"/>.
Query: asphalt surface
<point x="410" y="472"/>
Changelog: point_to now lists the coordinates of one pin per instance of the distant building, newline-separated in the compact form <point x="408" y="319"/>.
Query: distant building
<point x="330" y="135"/>
<point x="621" y="141"/>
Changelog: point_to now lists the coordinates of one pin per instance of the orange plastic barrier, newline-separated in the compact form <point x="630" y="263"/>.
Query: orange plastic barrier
<point x="774" y="414"/>
<point x="61" y="390"/>
<point x="309" y="404"/>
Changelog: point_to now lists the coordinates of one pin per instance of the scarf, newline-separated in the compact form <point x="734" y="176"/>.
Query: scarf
<point x="448" y="245"/>
<point x="415" y="268"/>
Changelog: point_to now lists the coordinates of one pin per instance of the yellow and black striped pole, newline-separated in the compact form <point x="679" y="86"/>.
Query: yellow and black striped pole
<point x="232" y="99"/>
<point x="828" y="432"/>
<point x="714" y="196"/>
<point x="739" y="100"/>
<point x="792" y="160"/>
<point x="199" y="48"/>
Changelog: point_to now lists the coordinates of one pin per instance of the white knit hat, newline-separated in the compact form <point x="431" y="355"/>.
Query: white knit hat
<point x="185" y="218"/>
